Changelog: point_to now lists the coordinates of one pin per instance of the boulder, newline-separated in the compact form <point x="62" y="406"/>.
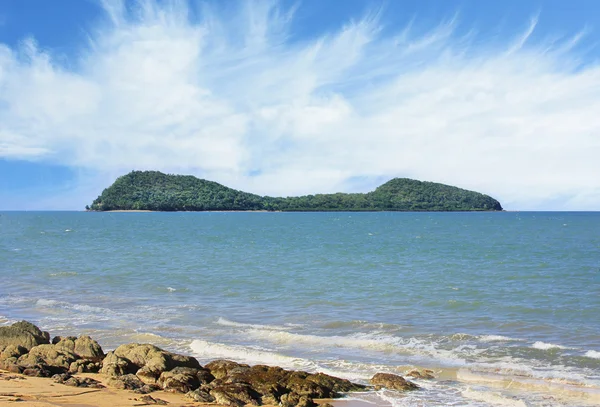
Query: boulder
<point x="421" y="374"/>
<point x="179" y="380"/>
<point x="201" y="396"/>
<point x="54" y="359"/>
<point x="147" y="388"/>
<point x="221" y="368"/>
<point x="125" y="382"/>
<point x="84" y="366"/>
<point x="392" y="382"/>
<point x="37" y="371"/>
<point x="235" y="394"/>
<point x="113" y="366"/>
<point x="336" y="384"/>
<point x="84" y="346"/>
<point x="150" y="361"/>
<point x="68" y="380"/>
<point x="23" y="334"/>
<point x="149" y="400"/>
<point x="295" y="400"/>
<point x="268" y="381"/>
<point x="12" y="351"/>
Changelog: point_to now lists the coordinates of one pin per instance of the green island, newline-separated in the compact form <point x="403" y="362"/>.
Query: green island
<point x="155" y="191"/>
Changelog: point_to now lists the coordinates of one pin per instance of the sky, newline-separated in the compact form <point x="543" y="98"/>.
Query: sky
<point x="298" y="97"/>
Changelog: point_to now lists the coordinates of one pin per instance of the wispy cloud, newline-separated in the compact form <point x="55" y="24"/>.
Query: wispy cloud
<point x="234" y="97"/>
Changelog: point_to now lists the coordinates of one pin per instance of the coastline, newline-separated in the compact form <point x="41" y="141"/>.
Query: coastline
<point x="75" y="371"/>
<point x="42" y="392"/>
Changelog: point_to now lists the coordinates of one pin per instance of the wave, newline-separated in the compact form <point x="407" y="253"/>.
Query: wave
<point x="497" y="338"/>
<point x="44" y="303"/>
<point x="210" y="350"/>
<point x="225" y="322"/>
<point x="592" y="354"/>
<point x="547" y="346"/>
<point x="63" y="274"/>
<point x="412" y="350"/>
<point x="492" y="398"/>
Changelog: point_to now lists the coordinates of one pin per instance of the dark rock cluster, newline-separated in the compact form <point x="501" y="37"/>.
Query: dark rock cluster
<point x="145" y="368"/>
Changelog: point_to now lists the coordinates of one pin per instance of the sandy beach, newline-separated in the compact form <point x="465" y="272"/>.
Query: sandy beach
<point x="16" y="389"/>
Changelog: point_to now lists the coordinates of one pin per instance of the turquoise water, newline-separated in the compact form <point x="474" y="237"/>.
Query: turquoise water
<point x="505" y="307"/>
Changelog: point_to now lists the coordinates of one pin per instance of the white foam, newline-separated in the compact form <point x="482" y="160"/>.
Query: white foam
<point x="68" y="230"/>
<point x="547" y="346"/>
<point x="496" y="338"/>
<point x="211" y="350"/>
<point x="171" y="289"/>
<point x="44" y="303"/>
<point x="63" y="274"/>
<point x="493" y="398"/>
<point x="225" y="322"/>
<point x="592" y="354"/>
<point x="412" y="348"/>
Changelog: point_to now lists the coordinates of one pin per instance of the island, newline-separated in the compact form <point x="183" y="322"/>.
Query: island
<point x="156" y="191"/>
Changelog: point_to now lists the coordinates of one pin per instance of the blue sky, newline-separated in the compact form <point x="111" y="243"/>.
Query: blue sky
<point x="296" y="97"/>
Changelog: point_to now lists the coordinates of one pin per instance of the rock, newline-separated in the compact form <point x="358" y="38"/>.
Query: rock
<point x="125" y="382"/>
<point x="55" y="359"/>
<point x="12" y="367"/>
<point x="113" y="366"/>
<point x="295" y="400"/>
<point x="179" y="380"/>
<point x="336" y="384"/>
<point x="235" y="394"/>
<point x="147" y="388"/>
<point x="152" y="400"/>
<point x="37" y="371"/>
<point x="23" y="334"/>
<point x="299" y="385"/>
<point x="84" y="346"/>
<point x="268" y="381"/>
<point x="84" y="366"/>
<point x="67" y="379"/>
<point x="200" y="395"/>
<point x="392" y="382"/>
<point x="422" y="374"/>
<point x="150" y="361"/>
<point x="12" y="351"/>
<point x="222" y="368"/>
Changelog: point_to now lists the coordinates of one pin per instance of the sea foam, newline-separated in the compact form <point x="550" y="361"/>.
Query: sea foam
<point x="547" y="346"/>
<point x="592" y="354"/>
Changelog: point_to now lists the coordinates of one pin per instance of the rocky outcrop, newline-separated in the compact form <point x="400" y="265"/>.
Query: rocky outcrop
<point x="68" y="380"/>
<point x="392" y="382"/>
<point x="272" y="385"/>
<point x="83" y="347"/>
<point x="235" y="394"/>
<point x="421" y="374"/>
<point x="23" y="334"/>
<point x="221" y="368"/>
<point x="184" y="379"/>
<point x="147" y="361"/>
<point x="49" y="356"/>
<point x="201" y="396"/>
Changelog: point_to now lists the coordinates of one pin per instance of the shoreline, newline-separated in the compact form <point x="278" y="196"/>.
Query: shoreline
<point x="75" y="371"/>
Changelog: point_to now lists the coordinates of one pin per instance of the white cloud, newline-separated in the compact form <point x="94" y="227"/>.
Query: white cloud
<point x="227" y="95"/>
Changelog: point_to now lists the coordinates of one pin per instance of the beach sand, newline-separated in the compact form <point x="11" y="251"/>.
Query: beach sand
<point x="19" y="390"/>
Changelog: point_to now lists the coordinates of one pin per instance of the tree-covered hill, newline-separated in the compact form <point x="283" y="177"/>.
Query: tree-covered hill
<point x="155" y="191"/>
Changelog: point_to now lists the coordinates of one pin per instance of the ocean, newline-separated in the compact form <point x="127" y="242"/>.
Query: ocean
<point x="504" y="307"/>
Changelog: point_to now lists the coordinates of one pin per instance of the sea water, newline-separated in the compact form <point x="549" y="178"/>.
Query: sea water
<point x="503" y="307"/>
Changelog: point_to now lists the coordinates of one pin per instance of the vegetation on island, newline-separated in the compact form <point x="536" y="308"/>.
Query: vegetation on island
<point x="155" y="191"/>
